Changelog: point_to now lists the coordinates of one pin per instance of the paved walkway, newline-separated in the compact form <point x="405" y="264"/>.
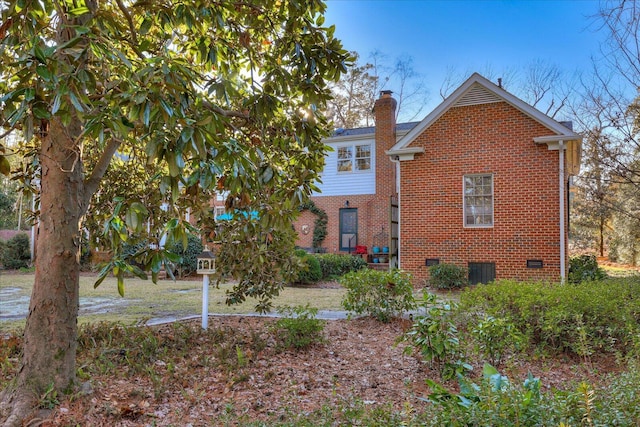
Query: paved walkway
<point x="15" y="306"/>
<point x="322" y="314"/>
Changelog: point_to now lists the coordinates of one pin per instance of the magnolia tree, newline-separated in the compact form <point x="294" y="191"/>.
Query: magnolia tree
<point x="179" y="97"/>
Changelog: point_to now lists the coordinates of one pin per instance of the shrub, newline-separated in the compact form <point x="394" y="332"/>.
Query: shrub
<point x="584" y="268"/>
<point x="435" y="337"/>
<point x="17" y="252"/>
<point x="336" y="265"/>
<point x="448" y="276"/>
<point x="128" y="251"/>
<point x="188" y="257"/>
<point x="300" y="328"/>
<point x="579" y="319"/>
<point x="311" y="271"/>
<point x="380" y="294"/>
<point x="3" y="245"/>
<point x="495" y="402"/>
<point x="301" y="253"/>
<point x="496" y="336"/>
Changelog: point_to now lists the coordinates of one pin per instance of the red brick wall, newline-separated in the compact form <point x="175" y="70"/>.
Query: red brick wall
<point x="369" y="219"/>
<point x="373" y="209"/>
<point x="308" y="219"/>
<point x="490" y="138"/>
<point x="9" y="234"/>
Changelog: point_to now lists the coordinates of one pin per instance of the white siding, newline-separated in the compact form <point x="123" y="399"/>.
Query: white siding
<point x="336" y="183"/>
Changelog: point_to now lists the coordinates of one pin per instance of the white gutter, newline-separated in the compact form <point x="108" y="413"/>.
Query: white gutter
<point x="561" y="147"/>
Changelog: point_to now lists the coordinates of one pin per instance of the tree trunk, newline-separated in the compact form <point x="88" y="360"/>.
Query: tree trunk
<point x="50" y="336"/>
<point x="601" y="240"/>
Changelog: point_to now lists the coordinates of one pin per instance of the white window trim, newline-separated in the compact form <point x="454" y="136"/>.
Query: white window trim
<point x="216" y="212"/>
<point x="464" y="203"/>
<point x="353" y="145"/>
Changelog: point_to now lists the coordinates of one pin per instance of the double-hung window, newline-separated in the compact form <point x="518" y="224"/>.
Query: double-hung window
<point x="478" y="200"/>
<point x="354" y="158"/>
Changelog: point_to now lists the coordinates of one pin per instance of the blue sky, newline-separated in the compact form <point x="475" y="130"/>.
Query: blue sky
<point x="469" y="35"/>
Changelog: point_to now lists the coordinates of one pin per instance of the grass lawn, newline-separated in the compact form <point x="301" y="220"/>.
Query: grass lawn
<point x="143" y="300"/>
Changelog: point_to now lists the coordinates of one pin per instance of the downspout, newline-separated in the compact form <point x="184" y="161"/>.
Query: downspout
<point x="561" y="147"/>
<point x="396" y="160"/>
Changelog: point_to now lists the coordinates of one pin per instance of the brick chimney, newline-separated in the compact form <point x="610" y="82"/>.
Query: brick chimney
<point x="385" y="118"/>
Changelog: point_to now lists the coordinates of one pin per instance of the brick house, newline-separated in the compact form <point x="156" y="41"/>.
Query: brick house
<point x="480" y="182"/>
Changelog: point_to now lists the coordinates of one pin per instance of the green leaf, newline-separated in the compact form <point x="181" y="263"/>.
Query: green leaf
<point x="167" y="108"/>
<point x="5" y="166"/>
<point x="43" y="72"/>
<point x="138" y="272"/>
<point x="267" y="174"/>
<point x="41" y="113"/>
<point x="488" y="371"/>
<point x="145" y="27"/>
<point x="39" y="54"/>
<point x="79" y="11"/>
<point x="186" y="134"/>
<point x="56" y="103"/>
<point x="131" y="218"/>
<point x="147" y="114"/>
<point x="121" y="283"/>
<point x="124" y="59"/>
<point x="174" y="169"/>
<point x="76" y="103"/>
<point x="102" y="275"/>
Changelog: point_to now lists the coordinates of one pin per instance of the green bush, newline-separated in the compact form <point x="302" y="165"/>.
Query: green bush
<point x="188" y="257"/>
<point x="495" y="402"/>
<point x="128" y="251"/>
<point x="17" y="252"/>
<point x="435" y="337"/>
<point x="380" y="294"/>
<point x="576" y="319"/>
<point x="336" y="265"/>
<point x="3" y="245"/>
<point x="494" y="337"/>
<point x="300" y="328"/>
<point x="311" y="271"/>
<point x="301" y="253"/>
<point x="584" y="268"/>
<point x="448" y="276"/>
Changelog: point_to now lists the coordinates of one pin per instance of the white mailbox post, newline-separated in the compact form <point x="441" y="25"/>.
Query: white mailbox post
<point x="206" y="266"/>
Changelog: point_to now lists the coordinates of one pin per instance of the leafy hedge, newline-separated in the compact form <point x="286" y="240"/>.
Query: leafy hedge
<point x="16" y="252"/>
<point x="311" y="272"/>
<point x="188" y="257"/>
<point x="448" y="276"/>
<point x="581" y="319"/>
<point x="336" y="265"/>
<point x="379" y="294"/>
<point x="584" y="268"/>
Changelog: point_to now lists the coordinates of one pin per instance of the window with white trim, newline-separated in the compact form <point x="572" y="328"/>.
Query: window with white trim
<point x="218" y="210"/>
<point x="478" y="200"/>
<point x="354" y="158"/>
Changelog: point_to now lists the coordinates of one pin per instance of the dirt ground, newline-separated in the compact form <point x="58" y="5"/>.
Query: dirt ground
<point x="359" y="360"/>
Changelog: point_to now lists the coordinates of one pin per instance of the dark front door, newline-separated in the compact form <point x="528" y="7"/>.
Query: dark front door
<point x="348" y="229"/>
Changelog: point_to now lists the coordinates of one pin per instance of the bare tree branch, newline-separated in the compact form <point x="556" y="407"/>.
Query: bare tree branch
<point x="92" y="183"/>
